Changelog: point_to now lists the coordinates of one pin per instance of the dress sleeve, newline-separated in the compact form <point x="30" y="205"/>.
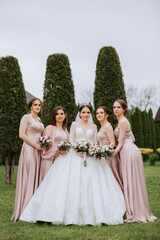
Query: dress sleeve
<point x="67" y="134"/>
<point x="72" y="133"/>
<point x="95" y="134"/>
<point x="52" y="152"/>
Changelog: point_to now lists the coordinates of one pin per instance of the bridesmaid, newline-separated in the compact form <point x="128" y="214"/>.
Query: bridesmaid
<point x="105" y="136"/>
<point x="58" y="132"/>
<point x="30" y="130"/>
<point x="135" y="192"/>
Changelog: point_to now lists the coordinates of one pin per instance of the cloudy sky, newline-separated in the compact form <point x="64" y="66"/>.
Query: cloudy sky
<point x="31" y="30"/>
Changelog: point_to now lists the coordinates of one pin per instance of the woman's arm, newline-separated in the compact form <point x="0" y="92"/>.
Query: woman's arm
<point x="22" y="133"/>
<point x="95" y="134"/>
<point x="72" y="133"/>
<point x="123" y="126"/>
<point x="110" y="134"/>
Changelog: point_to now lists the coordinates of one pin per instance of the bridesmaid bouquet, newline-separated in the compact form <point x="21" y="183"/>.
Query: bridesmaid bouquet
<point x="107" y="150"/>
<point x="99" y="151"/>
<point x="64" y="146"/>
<point x="82" y="146"/>
<point x="45" y="142"/>
<point x="96" y="151"/>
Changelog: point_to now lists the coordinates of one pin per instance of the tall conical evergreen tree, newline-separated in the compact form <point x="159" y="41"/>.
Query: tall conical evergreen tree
<point x="149" y="140"/>
<point x="58" y="88"/>
<point x="109" y="85"/>
<point x="153" y="130"/>
<point x="157" y="127"/>
<point x="145" y="129"/>
<point x="13" y="106"/>
<point x="137" y="127"/>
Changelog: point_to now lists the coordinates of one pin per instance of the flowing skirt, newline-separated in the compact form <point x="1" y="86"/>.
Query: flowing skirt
<point x="135" y="192"/>
<point x="74" y="194"/>
<point x="27" y="178"/>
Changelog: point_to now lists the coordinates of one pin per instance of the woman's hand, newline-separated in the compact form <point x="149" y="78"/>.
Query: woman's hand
<point x="108" y="160"/>
<point x="81" y="154"/>
<point x="38" y="147"/>
<point x="62" y="152"/>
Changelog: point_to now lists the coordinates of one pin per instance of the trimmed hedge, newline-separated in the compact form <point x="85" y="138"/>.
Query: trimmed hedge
<point x="109" y="85"/>
<point x="58" y="88"/>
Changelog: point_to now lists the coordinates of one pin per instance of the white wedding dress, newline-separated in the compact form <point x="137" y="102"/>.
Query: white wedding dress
<point x="74" y="194"/>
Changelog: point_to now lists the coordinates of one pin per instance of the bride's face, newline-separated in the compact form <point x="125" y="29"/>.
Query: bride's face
<point x="85" y="114"/>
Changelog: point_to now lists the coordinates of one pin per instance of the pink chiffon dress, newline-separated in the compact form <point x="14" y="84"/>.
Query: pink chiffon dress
<point x="49" y="156"/>
<point x="135" y="192"/>
<point x="28" y="169"/>
<point x="115" y="163"/>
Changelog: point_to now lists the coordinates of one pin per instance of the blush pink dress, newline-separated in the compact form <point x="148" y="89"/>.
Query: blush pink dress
<point x="28" y="169"/>
<point x="115" y="163"/>
<point x="135" y="192"/>
<point x="50" y="155"/>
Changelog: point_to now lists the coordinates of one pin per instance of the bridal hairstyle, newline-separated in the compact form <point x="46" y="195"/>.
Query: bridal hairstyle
<point x="31" y="103"/>
<point x="123" y="105"/>
<point x="105" y="110"/>
<point x="54" y="113"/>
<point x="83" y="105"/>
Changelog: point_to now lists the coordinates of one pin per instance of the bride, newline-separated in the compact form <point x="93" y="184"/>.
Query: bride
<point x="74" y="194"/>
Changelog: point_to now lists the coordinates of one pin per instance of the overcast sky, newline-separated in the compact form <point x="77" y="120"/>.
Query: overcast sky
<point x="31" y="30"/>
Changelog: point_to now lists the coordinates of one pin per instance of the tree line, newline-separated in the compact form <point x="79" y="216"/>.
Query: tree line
<point x="59" y="90"/>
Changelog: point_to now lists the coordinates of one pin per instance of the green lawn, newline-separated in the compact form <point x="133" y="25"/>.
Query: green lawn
<point x="128" y="231"/>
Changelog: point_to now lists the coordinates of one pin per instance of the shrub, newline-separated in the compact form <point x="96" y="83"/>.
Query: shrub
<point x="153" y="158"/>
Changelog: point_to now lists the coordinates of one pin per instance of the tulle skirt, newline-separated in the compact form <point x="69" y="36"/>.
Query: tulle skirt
<point x="74" y="194"/>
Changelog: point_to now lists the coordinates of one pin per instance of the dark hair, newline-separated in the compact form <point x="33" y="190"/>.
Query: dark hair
<point x="83" y="105"/>
<point x="105" y="110"/>
<point x="32" y="101"/>
<point x="123" y="105"/>
<point x="54" y="113"/>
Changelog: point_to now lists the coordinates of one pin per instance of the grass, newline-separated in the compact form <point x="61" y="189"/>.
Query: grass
<point x="127" y="231"/>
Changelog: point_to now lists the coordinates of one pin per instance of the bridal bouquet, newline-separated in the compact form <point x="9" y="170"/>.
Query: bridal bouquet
<point x="64" y="146"/>
<point x="45" y="142"/>
<point x="82" y="146"/>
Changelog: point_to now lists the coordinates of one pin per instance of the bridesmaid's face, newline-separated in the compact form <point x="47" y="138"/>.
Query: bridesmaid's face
<point x="85" y="114"/>
<point x="117" y="109"/>
<point x="36" y="106"/>
<point x="60" y="116"/>
<point x="101" y="115"/>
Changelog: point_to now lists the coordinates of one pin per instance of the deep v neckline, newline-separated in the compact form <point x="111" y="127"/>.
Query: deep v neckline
<point x="84" y="131"/>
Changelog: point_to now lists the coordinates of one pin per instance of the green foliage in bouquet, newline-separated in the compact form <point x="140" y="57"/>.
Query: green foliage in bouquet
<point x="13" y="106"/>
<point x="137" y="127"/>
<point x="153" y="130"/>
<point x="58" y="88"/>
<point x="109" y="85"/>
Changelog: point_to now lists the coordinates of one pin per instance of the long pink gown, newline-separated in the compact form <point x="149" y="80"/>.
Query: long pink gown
<point x="115" y="163"/>
<point x="28" y="169"/>
<point x="50" y="155"/>
<point x="135" y="192"/>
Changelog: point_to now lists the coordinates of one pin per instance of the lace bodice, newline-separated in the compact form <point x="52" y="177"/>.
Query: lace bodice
<point x="77" y="133"/>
